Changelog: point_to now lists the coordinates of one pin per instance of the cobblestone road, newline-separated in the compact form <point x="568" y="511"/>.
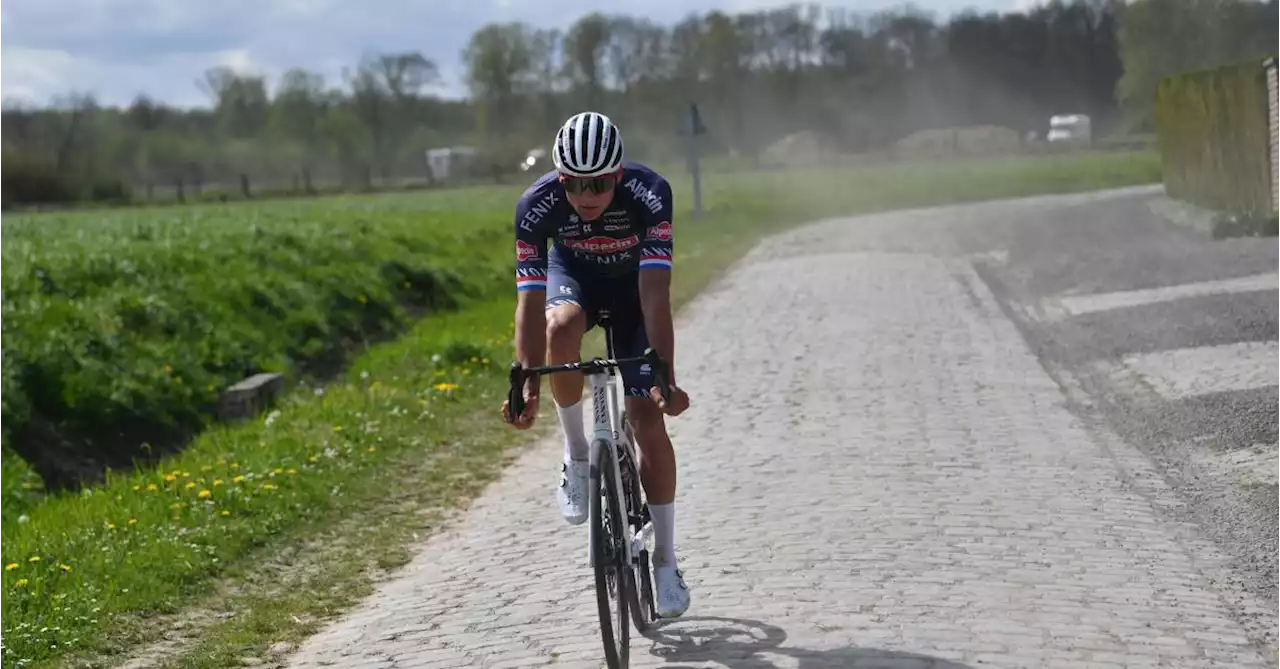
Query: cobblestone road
<point x="876" y="472"/>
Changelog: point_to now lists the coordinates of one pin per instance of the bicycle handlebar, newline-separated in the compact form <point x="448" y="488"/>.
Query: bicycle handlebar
<point x="518" y="374"/>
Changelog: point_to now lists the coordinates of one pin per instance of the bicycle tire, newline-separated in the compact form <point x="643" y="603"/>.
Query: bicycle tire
<point x="607" y="521"/>
<point x="640" y="585"/>
<point x="640" y="588"/>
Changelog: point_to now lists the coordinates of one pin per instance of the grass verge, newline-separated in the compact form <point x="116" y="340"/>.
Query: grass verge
<point x="259" y="532"/>
<point x="123" y="328"/>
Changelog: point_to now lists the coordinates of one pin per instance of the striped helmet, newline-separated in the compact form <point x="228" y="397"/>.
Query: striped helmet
<point x="587" y="145"/>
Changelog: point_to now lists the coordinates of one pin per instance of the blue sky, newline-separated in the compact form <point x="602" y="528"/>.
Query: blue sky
<point x="119" y="48"/>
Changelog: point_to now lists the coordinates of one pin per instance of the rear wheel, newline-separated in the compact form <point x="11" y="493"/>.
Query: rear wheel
<point x="640" y="585"/>
<point x="612" y="572"/>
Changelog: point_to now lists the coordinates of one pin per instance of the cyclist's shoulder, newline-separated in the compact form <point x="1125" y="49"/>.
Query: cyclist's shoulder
<point x="547" y="184"/>
<point x="645" y="189"/>
<point x="542" y="200"/>
<point x="639" y="172"/>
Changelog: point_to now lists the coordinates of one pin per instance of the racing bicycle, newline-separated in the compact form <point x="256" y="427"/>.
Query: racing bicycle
<point x="619" y="523"/>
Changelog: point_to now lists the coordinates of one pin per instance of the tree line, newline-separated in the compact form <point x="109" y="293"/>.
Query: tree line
<point x="858" y="81"/>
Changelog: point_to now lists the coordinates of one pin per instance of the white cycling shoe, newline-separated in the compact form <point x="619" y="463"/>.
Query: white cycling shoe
<point x="572" y="493"/>
<point x="670" y="593"/>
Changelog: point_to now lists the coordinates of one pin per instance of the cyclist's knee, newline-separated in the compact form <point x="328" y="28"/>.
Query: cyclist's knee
<point x="565" y="325"/>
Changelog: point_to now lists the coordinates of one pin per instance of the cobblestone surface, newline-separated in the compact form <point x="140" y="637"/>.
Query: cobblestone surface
<point x="876" y="472"/>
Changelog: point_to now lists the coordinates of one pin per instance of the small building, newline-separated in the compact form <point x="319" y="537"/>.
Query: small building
<point x="451" y="162"/>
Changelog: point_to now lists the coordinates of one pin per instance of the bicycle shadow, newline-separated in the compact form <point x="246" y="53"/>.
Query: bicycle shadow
<point x="748" y="644"/>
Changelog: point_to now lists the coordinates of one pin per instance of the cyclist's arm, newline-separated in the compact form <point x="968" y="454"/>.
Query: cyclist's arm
<point x="655" y="279"/>
<point x="531" y="290"/>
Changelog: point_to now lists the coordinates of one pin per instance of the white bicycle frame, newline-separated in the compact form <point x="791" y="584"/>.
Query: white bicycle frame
<point x="608" y="433"/>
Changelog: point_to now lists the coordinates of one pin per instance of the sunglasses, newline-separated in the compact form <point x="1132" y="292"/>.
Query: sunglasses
<point x="597" y="185"/>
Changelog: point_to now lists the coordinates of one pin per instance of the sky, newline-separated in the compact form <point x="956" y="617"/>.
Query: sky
<point x="117" y="49"/>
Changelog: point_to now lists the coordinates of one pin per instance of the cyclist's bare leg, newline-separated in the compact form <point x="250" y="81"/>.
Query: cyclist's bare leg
<point x="657" y="456"/>
<point x="565" y="326"/>
<point x="658" y="475"/>
<point x="566" y="323"/>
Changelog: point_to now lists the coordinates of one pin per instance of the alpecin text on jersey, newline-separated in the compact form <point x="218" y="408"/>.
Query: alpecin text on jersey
<point x="633" y="233"/>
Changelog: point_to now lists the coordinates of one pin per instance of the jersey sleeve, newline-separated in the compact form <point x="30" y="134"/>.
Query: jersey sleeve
<point x="658" y="237"/>
<point x="531" y="247"/>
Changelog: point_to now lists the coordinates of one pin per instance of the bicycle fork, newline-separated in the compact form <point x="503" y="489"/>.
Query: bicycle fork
<point x="606" y="433"/>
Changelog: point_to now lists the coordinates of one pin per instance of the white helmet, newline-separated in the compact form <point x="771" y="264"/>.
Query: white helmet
<point x="587" y="145"/>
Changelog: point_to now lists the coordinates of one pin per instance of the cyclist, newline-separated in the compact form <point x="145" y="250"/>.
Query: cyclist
<point x="609" y="222"/>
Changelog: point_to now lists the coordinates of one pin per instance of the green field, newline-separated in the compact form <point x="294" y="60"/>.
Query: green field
<point x="283" y="519"/>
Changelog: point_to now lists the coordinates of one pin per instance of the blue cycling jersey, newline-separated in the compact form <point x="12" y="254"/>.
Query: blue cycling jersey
<point x="633" y="233"/>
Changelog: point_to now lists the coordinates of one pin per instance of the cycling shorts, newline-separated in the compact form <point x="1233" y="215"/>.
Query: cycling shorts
<point x="567" y="284"/>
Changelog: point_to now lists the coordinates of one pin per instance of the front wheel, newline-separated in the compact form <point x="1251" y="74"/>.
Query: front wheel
<point x="609" y="531"/>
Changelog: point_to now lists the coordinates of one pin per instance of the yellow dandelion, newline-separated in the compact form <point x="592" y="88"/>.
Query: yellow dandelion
<point x="277" y="470"/>
<point x="235" y="465"/>
<point x="186" y="475"/>
<point x="64" y="567"/>
<point x="337" y="428"/>
<point x="137" y="488"/>
<point x="217" y="482"/>
<point x="238" y="479"/>
<point x="33" y="558"/>
<point x="314" y="458"/>
<point x="445" y="386"/>
<point x="111" y="526"/>
<point x="268" y="486"/>
<point x="11" y="566"/>
<point x="151" y="487"/>
<point x="170" y="478"/>
<point x="190" y="485"/>
<point x="21" y="583"/>
<point x="204" y="494"/>
<point x="225" y="513"/>
<point x="291" y="470"/>
<point x="133" y="521"/>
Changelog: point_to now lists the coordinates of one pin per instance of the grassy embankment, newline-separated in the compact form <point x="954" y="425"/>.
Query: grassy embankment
<point x="284" y="520"/>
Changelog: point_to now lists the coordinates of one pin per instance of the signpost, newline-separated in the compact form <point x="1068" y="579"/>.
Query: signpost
<point x="691" y="127"/>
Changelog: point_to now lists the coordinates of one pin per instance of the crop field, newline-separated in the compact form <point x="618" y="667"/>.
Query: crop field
<point x="390" y="315"/>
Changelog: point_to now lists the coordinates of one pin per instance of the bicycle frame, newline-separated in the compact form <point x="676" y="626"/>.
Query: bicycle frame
<point x="608" y="430"/>
<point x="610" y="433"/>
<point x="606" y="419"/>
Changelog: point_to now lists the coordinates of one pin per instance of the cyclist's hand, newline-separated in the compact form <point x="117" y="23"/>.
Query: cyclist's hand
<point x="525" y="420"/>
<point x="679" y="400"/>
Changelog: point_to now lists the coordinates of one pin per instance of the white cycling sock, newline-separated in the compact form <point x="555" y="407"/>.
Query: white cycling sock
<point x="664" y="533"/>
<point x="575" y="436"/>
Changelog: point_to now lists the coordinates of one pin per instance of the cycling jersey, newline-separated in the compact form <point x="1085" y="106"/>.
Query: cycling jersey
<point x="633" y="233"/>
